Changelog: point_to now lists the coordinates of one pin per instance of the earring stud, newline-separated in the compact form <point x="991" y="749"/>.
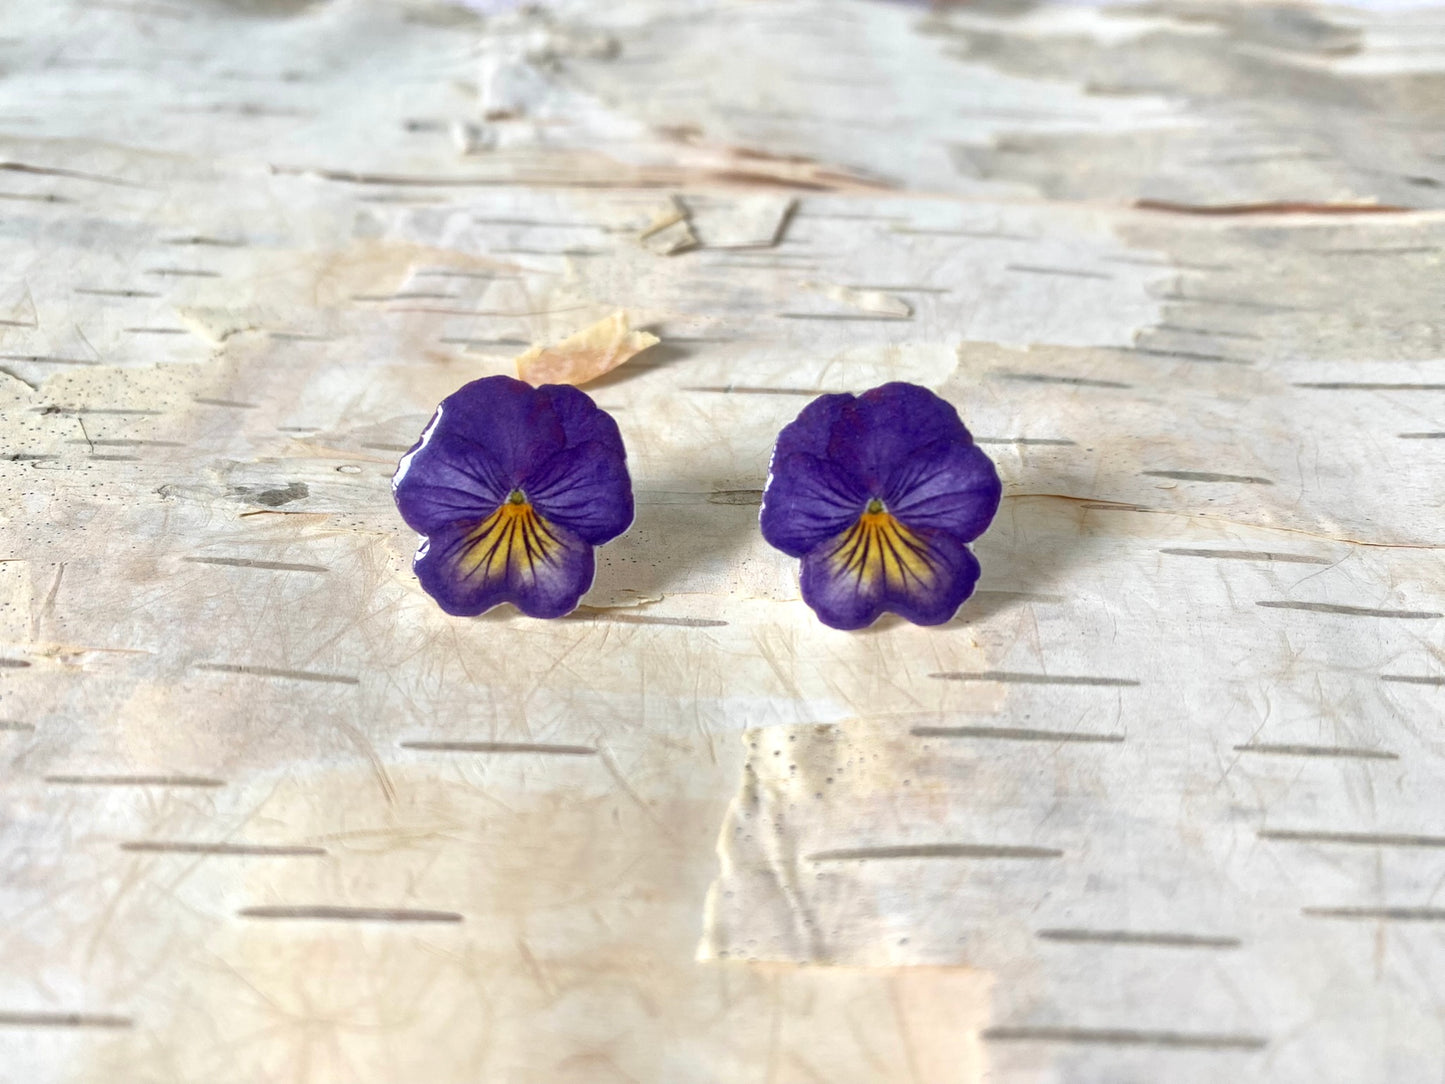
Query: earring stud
<point x="879" y="496"/>
<point x="511" y="487"/>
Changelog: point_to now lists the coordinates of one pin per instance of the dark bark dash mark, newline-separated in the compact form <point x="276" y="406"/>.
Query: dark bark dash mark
<point x="1248" y="555"/>
<point x="202" y="240"/>
<point x="1296" y="750"/>
<point x="936" y="850"/>
<point x="1208" y="476"/>
<point x="1012" y="733"/>
<point x="742" y="497"/>
<point x="1274" y="207"/>
<point x="326" y="912"/>
<point x="1349" y="611"/>
<point x="414" y="295"/>
<point x="651" y="619"/>
<point x="1064" y="272"/>
<point x="236" y="850"/>
<point x="1176" y="1040"/>
<point x="1232" y="302"/>
<point x="540" y="748"/>
<point x="1378" y="914"/>
<point x="1053" y="442"/>
<point x="1049" y="378"/>
<point x="1017" y="678"/>
<point x="1215" y="333"/>
<point x="1355" y="385"/>
<point x="987" y="235"/>
<point x="248" y="562"/>
<point x="1138" y="937"/>
<point x="128" y="443"/>
<point x="276" y="672"/>
<point x="134" y="781"/>
<point x="11" y="1018"/>
<point x="1362" y="839"/>
<point x="737" y="389"/>
<point x="71" y="174"/>
<point x="1186" y="355"/>
<point x="844" y="318"/>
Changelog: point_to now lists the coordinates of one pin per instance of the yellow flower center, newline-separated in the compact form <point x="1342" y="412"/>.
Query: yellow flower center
<point x="879" y="550"/>
<point x="513" y="538"/>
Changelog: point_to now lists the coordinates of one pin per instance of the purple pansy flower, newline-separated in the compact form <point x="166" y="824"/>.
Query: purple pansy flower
<point x="511" y="487"/>
<point x="879" y="494"/>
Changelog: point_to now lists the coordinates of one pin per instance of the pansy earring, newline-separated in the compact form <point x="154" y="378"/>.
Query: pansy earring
<point x="879" y="495"/>
<point x="511" y="487"/>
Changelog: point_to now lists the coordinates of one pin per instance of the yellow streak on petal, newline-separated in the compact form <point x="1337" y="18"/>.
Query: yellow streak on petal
<point x="513" y="539"/>
<point x="879" y="551"/>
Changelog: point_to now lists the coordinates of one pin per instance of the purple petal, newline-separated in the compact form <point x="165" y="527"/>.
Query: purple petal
<point x="446" y="478"/>
<point x="518" y="425"/>
<point x="585" y="490"/>
<point x="945" y="487"/>
<point x="883" y="427"/>
<point x="812" y="430"/>
<point x="807" y="501"/>
<point x="581" y="419"/>
<point x="512" y="555"/>
<point x="878" y="564"/>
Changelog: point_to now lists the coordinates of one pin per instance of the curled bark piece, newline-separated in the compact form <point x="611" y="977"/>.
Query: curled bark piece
<point x="586" y="355"/>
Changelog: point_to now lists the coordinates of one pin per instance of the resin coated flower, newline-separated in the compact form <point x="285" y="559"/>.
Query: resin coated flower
<point x="511" y="487"/>
<point x="879" y="495"/>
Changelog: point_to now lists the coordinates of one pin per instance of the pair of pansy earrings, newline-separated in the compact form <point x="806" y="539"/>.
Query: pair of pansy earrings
<point x="878" y="494"/>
